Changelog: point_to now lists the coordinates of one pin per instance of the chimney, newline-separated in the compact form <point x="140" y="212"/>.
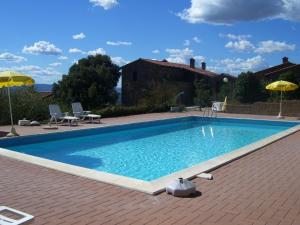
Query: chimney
<point x="203" y="65"/>
<point x="192" y="63"/>
<point x="285" y="60"/>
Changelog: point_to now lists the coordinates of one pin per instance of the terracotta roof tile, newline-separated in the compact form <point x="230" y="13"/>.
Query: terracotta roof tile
<point x="179" y="66"/>
<point x="294" y="66"/>
<point x="274" y="69"/>
<point x="183" y="66"/>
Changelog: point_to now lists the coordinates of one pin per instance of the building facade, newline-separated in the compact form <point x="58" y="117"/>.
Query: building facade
<point x="143" y="75"/>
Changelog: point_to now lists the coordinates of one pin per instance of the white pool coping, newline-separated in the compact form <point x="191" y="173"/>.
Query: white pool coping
<point x="158" y="185"/>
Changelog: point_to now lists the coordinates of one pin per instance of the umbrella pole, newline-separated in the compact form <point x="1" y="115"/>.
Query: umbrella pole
<point x="280" y="107"/>
<point x="13" y="130"/>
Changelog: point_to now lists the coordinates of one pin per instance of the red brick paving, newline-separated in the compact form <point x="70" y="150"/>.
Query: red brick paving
<point x="261" y="188"/>
<point x="27" y="130"/>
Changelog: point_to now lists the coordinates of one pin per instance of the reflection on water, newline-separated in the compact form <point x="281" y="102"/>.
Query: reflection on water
<point x="211" y="131"/>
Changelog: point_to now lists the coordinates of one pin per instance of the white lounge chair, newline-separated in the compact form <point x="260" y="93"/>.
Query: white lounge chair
<point x="81" y="114"/>
<point x="5" y="220"/>
<point x="56" y="114"/>
<point x="217" y="106"/>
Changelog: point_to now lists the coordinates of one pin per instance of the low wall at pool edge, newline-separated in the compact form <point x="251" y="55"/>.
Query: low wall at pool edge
<point x="289" y="108"/>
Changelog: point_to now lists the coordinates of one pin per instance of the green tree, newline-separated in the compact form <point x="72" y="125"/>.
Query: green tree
<point x="249" y="89"/>
<point x="202" y="93"/>
<point x="91" y="81"/>
<point x="225" y="90"/>
<point x="288" y="76"/>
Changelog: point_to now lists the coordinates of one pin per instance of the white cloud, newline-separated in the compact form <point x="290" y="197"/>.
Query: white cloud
<point x="238" y="65"/>
<point x="273" y="46"/>
<point x="236" y="37"/>
<point x="106" y="4"/>
<point x="187" y="43"/>
<point x="232" y="11"/>
<point x="76" y="51"/>
<point x="119" y="61"/>
<point x="199" y="58"/>
<point x="181" y="52"/>
<point x="39" y="74"/>
<point x="42" y="48"/>
<point x="117" y="43"/>
<point x="183" y="56"/>
<point x="11" y="58"/>
<point x="179" y="55"/>
<point x="55" y="64"/>
<point x="291" y="10"/>
<point x="79" y="36"/>
<point x="241" y="45"/>
<point x="196" y="40"/>
<point x="155" y="51"/>
<point x="98" y="51"/>
<point x="62" y="58"/>
<point x="238" y="42"/>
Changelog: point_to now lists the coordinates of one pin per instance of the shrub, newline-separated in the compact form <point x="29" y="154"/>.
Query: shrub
<point x="160" y="93"/>
<point x="26" y="103"/>
<point x="115" y="111"/>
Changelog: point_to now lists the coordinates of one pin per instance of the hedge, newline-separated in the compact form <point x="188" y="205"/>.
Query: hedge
<point x="115" y="111"/>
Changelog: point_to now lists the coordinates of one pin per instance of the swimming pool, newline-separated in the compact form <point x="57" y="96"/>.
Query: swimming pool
<point x="148" y="151"/>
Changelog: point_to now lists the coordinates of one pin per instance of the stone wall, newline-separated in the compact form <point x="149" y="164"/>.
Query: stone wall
<point x="139" y="76"/>
<point x="289" y="108"/>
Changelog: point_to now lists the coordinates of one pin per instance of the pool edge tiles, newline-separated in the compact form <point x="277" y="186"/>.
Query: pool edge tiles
<point x="88" y="131"/>
<point x="158" y="185"/>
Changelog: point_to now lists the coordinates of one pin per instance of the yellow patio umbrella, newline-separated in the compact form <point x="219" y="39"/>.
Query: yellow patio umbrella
<point x="14" y="79"/>
<point x="281" y="86"/>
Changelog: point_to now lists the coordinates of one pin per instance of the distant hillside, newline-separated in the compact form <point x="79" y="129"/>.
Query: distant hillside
<point x="119" y="90"/>
<point x="48" y="88"/>
<point x="43" y="87"/>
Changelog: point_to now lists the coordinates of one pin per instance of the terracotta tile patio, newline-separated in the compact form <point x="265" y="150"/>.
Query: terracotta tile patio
<point x="261" y="188"/>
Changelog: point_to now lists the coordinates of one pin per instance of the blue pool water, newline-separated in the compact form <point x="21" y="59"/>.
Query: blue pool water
<point x="149" y="150"/>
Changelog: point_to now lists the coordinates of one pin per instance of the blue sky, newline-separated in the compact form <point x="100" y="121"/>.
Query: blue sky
<point x="44" y="38"/>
